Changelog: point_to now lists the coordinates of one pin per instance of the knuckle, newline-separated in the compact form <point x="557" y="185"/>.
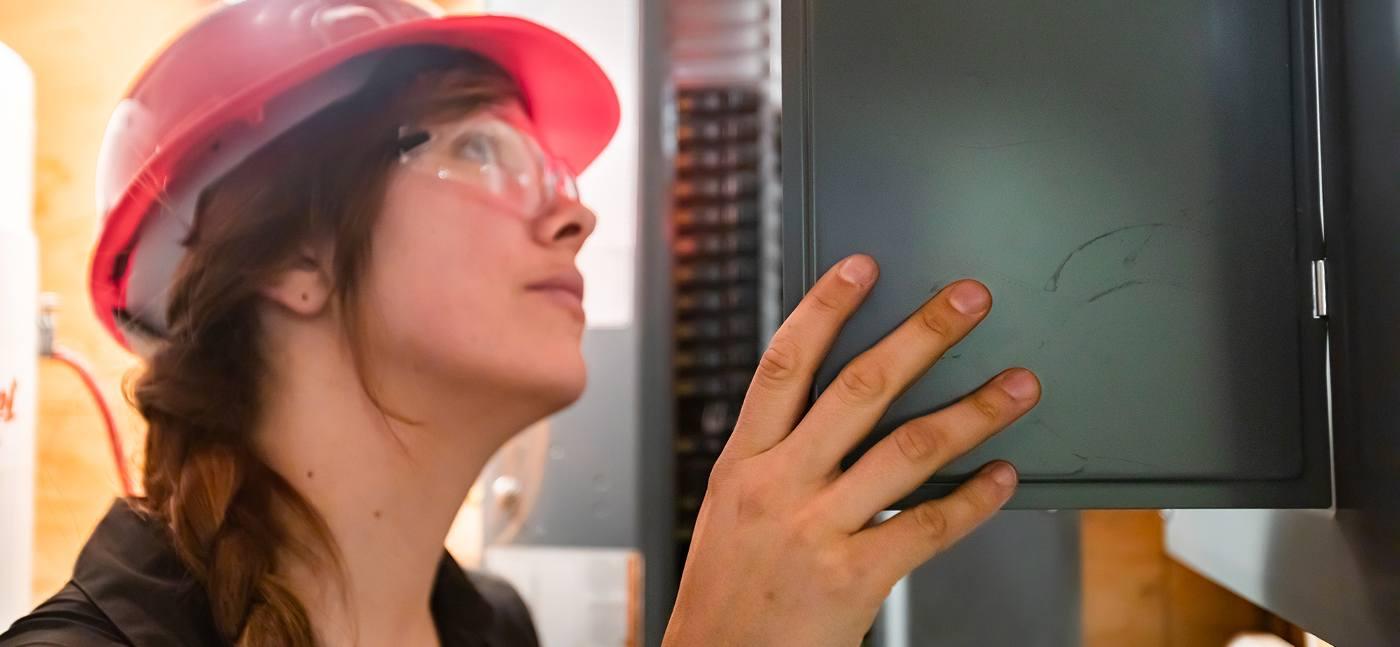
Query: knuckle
<point x="985" y="407"/>
<point x="934" y="322"/>
<point x="781" y="362"/>
<point x="984" y="497"/>
<point x="839" y="573"/>
<point x="861" y="382"/>
<point x="724" y="468"/>
<point x="753" y="497"/>
<point x="807" y="531"/>
<point x="825" y="302"/>
<point x="918" y="442"/>
<point x="932" y="522"/>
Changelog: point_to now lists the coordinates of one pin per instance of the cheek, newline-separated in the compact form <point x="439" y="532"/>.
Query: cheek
<point x="436" y="266"/>
<point x="445" y="289"/>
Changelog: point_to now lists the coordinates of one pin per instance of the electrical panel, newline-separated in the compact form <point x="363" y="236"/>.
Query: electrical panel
<point x="723" y="221"/>
<point x="1147" y="188"/>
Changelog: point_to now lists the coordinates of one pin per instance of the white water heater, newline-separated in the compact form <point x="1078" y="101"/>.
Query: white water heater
<point x="19" y="286"/>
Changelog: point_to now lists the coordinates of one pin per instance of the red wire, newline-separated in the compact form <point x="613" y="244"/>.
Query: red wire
<point x="113" y="438"/>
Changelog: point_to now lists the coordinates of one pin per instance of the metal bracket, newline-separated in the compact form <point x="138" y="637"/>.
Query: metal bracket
<point x="1319" y="288"/>
<point x="49" y="303"/>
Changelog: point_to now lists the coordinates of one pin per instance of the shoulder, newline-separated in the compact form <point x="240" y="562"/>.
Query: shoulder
<point x="498" y="593"/>
<point x="472" y="608"/>
<point x="128" y="588"/>
<point x="512" y="617"/>
<point x="68" y="619"/>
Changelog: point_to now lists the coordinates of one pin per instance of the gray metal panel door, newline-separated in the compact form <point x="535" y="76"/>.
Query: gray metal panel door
<point x="1133" y="181"/>
<point x="1337" y="573"/>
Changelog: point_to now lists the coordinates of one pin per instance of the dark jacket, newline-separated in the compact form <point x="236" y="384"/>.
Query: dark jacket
<point x="130" y="589"/>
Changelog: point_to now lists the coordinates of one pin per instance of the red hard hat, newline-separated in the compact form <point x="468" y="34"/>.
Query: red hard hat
<point x="253" y="69"/>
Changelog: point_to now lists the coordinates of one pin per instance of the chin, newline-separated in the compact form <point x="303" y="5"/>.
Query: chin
<point x="564" y="387"/>
<point x="553" y="373"/>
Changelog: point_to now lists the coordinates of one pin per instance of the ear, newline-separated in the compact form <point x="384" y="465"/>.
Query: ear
<point x="304" y="287"/>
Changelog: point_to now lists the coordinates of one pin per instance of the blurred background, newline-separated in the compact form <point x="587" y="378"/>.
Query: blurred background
<point x="1104" y="578"/>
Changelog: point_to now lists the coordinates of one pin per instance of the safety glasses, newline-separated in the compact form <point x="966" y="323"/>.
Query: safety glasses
<point x="494" y="157"/>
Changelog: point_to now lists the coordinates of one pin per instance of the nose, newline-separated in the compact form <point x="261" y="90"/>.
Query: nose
<point x="568" y="225"/>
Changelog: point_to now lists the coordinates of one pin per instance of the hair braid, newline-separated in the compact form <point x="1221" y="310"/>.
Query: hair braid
<point x="226" y="509"/>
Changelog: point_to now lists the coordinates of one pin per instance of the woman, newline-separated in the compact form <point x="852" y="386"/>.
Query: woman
<point x="343" y="233"/>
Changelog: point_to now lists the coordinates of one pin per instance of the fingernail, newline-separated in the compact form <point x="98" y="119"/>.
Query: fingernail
<point x="859" y="270"/>
<point x="970" y="298"/>
<point x="1020" y="385"/>
<point x="1004" y="474"/>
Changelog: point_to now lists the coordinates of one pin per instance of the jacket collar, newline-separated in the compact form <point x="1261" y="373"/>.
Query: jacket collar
<point x="131" y="572"/>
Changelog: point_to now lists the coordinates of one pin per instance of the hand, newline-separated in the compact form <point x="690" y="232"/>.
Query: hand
<point x="783" y="553"/>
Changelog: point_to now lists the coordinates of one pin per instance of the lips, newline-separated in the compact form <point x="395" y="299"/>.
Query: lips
<point x="565" y="287"/>
<point x="570" y="282"/>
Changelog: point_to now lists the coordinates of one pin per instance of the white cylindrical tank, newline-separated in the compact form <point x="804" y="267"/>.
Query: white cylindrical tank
<point x="19" y="286"/>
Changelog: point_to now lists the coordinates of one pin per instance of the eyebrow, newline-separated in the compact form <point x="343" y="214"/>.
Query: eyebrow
<point x="412" y="140"/>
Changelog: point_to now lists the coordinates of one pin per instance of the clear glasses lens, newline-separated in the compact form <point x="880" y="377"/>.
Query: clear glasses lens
<point x="489" y="153"/>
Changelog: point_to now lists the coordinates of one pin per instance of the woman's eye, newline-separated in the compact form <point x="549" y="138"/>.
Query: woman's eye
<point x="477" y="147"/>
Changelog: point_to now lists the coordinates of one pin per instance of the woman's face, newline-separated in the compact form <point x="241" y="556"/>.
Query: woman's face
<point x="472" y="282"/>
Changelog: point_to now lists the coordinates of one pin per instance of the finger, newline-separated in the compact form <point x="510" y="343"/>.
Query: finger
<point x="781" y="387"/>
<point x="914" y="536"/>
<point x="864" y="389"/>
<point x="904" y="459"/>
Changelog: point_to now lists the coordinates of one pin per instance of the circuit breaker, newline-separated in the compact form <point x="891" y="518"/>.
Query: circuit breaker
<point x="720" y="195"/>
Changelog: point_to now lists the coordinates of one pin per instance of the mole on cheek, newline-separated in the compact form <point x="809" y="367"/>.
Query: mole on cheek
<point x="378" y="514"/>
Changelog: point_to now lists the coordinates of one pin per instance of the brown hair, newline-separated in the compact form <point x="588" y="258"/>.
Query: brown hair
<point x="324" y="180"/>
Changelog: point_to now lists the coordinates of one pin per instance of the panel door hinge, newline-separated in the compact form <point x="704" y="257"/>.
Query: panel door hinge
<point x="1319" y="288"/>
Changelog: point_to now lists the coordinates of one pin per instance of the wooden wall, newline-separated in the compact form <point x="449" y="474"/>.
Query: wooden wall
<point x="1135" y="595"/>
<point x="83" y="53"/>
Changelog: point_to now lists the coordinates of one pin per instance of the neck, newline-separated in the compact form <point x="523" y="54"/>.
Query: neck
<point x="387" y="490"/>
